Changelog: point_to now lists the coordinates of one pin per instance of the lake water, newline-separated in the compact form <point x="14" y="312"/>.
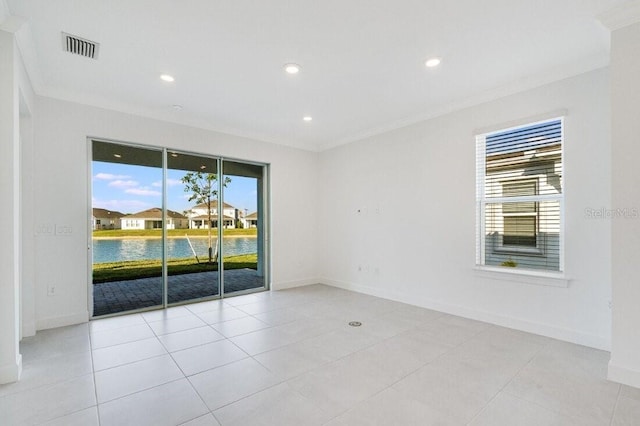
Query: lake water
<point x="117" y="250"/>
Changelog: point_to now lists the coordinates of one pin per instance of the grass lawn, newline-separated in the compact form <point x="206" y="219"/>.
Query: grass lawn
<point x="157" y="233"/>
<point x="130" y="270"/>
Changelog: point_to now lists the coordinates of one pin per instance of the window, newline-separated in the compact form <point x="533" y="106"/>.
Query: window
<point x="520" y="219"/>
<point x="520" y="197"/>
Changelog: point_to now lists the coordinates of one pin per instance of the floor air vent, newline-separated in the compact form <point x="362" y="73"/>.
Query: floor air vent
<point x="80" y="46"/>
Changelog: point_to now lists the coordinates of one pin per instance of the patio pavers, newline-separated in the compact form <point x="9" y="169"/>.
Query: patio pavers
<point x="121" y="296"/>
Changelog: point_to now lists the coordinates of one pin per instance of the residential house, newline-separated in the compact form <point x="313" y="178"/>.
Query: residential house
<point x="251" y="220"/>
<point x="152" y="219"/>
<point x="105" y="219"/>
<point x="199" y="216"/>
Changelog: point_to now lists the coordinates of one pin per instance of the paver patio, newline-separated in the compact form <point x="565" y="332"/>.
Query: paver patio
<point x="121" y="296"/>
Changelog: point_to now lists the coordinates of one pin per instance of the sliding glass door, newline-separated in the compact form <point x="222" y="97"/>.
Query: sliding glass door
<point x="192" y="243"/>
<point x="127" y="228"/>
<point x="244" y="249"/>
<point x="171" y="227"/>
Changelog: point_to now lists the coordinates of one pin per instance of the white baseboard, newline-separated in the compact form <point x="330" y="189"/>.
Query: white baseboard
<point x="292" y="284"/>
<point x="546" y="330"/>
<point x="623" y="375"/>
<point x="11" y="373"/>
<point x="54" y="322"/>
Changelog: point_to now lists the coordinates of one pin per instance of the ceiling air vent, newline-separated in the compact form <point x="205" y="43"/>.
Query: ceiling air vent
<point x="80" y="46"/>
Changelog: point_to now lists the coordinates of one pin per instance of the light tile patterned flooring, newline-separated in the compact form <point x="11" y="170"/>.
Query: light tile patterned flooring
<point x="289" y="358"/>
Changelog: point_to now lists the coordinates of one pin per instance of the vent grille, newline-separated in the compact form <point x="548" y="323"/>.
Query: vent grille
<point x="80" y="46"/>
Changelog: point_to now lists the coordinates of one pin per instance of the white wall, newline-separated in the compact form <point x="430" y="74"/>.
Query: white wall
<point x="10" y="360"/>
<point x="625" y="90"/>
<point x="414" y="238"/>
<point x="16" y="98"/>
<point x="60" y="170"/>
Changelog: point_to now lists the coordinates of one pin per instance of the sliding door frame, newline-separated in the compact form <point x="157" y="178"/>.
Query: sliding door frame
<point x="263" y="220"/>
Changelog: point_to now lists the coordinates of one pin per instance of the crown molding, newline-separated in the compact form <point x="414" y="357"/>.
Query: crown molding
<point x="621" y="16"/>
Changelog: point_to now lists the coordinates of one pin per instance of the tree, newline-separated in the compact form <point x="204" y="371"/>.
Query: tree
<point x="203" y="188"/>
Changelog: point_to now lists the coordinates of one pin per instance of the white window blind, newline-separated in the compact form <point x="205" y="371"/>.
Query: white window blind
<point x="519" y="197"/>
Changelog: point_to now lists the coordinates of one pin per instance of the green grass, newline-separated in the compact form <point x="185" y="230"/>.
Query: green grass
<point x="123" y="233"/>
<point x="130" y="270"/>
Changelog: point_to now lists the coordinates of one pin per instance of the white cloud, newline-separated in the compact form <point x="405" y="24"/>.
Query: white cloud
<point x="123" y="206"/>
<point x="143" y="191"/>
<point x="123" y="183"/>
<point x="109" y="176"/>
<point x="170" y="182"/>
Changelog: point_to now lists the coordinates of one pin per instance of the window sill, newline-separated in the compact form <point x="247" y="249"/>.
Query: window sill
<point x="525" y="276"/>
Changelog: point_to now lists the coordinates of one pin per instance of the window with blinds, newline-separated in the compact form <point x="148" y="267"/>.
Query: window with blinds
<point x="519" y="197"/>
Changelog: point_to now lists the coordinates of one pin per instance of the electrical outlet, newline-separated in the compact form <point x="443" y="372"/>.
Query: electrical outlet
<point x="51" y="290"/>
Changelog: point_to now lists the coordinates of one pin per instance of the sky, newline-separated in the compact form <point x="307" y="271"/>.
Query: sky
<point x="130" y="189"/>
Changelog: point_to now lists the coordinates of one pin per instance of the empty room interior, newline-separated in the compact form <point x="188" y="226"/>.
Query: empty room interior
<point x="320" y="213"/>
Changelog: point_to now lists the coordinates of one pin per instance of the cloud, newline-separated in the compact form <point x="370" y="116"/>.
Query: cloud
<point x="123" y="183"/>
<point x="109" y="176"/>
<point x="123" y="206"/>
<point x="143" y="191"/>
<point x="170" y="182"/>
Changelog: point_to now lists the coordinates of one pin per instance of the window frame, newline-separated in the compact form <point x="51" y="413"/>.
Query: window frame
<point x="482" y="201"/>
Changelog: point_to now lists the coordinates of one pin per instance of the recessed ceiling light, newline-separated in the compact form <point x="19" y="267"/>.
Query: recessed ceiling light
<point x="307" y="118"/>
<point x="203" y="167"/>
<point x="174" y="155"/>
<point x="168" y="78"/>
<point x="433" y="62"/>
<point x="117" y="155"/>
<point x="292" y="68"/>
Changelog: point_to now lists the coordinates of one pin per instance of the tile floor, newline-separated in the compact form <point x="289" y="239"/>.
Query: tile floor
<point x="289" y="358"/>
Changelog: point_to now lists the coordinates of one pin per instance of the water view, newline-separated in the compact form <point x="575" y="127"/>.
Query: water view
<point x="117" y="250"/>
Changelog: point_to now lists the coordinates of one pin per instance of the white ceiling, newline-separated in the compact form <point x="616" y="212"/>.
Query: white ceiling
<point x="362" y="60"/>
